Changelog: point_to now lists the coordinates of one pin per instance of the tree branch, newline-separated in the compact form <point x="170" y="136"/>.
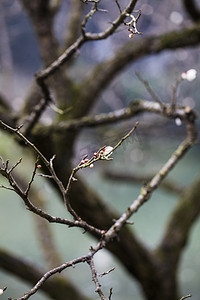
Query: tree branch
<point x="135" y="107"/>
<point x="192" y="9"/>
<point x="103" y="74"/>
<point x="58" y="288"/>
<point x="73" y="25"/>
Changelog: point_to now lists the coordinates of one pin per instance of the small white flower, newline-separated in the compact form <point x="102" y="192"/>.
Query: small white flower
<point x="178" y="121"/>
<point x="2" y="290"/>
<point x="189" y="75"/>
<point x="107" y="151"/>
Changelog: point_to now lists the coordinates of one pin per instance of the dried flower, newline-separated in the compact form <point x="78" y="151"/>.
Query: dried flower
<point x="189" y="75"/>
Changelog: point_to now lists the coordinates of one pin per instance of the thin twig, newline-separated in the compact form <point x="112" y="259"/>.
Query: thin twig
<point x="188" y="296"/>
<point x="116" y="1"/>
<point x="28" y="203"/>
<point x="107" y="272"/>
<point x="32" y="178"/>
<point x="174" y="90"/>
<point x="109" y="298"/>
<point x="125" y="137"/>
<point x="148" y="189"/>
<point x="149" y="89"/>
<point x="15" y="165"/>
<point x="59" y="269"/>
<point x="7" y="188"/>
<point x="95" y="278"/>
<point x="84" y="164"/>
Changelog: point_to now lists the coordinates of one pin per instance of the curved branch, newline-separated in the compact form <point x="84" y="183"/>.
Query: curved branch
<point x="192" y="9"/>
<point x="94" y="212"/>
<point x="135" y="107"/>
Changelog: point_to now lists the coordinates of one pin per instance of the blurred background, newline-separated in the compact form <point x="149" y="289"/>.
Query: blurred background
<point x="142" y="154"/>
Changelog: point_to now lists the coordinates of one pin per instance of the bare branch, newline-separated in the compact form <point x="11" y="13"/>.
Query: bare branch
<point x="7" y="188"/>
<point x="174" y="90"/>
<point x="95" y="278"/>
<point x="149" y="89"/>
<point x="15" y="165"/>
<point x="105" y="273"/>
<point x="148" y="189"/>
<point x="32" y="178"/>
<point x="115" y="24"/>
<point x="188" y="296"/>
<point x="131" y="52"/>
<point x="102" y="154"/>
<point x="59" y="269"/>
<point x="135" y="107"/>
<point x="6" y="173"/>
<point x="192" y="9"/>
<point x="110" y="296"/>
<point x="31" y="273"/>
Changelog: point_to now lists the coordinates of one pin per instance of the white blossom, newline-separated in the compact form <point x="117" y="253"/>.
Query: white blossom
<point x="107" y="151"/>
<point x="2" y="290"/>
<point x="189" y="75"/>
<point x="178" y="121"/>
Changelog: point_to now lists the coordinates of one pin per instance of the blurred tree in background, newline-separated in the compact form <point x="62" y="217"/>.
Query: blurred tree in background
<point x="99" y="67"/>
